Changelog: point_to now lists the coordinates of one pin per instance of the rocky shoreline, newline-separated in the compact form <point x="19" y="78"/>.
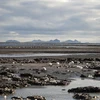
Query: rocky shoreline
<point x="25" y="72"/>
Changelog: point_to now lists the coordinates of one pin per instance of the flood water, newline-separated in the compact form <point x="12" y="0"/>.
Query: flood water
<point x="55" y="92"/>
<point x="45" y="54"/>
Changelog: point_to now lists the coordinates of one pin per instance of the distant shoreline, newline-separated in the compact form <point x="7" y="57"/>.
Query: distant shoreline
<point x="50" y="50"/>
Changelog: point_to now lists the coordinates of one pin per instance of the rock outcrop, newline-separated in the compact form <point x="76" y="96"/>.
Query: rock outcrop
<point x="89" y="89"/>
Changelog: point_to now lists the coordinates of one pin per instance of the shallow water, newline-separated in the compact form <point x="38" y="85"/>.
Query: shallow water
<point x="43" y="54"/>
<point x="55" y="92"/>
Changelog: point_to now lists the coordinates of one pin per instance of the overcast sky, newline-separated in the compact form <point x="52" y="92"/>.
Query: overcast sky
<point x="26" y="20"/>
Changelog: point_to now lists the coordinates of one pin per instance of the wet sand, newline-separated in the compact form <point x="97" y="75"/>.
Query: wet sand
<point x="51" y="49"/>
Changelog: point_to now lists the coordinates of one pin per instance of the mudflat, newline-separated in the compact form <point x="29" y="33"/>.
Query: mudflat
<point x="51" y="49"/>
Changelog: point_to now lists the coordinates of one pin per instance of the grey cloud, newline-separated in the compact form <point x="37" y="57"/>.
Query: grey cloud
<point x="44" y="17"/>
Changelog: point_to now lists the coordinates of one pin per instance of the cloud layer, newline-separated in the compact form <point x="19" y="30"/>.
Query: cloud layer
<point x="26" y="20"/>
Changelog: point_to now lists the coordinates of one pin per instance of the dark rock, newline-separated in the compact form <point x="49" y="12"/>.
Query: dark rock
<point x="82" y="96"/>
<point x="97" y="74"/>
<point x="89" y="89"/>
<point x="82" y="76"/>
<point x="36" y="98"/>
<point x="6" y="91"/>
<point x="17" y="98"/>
<point x="26" y="75"/>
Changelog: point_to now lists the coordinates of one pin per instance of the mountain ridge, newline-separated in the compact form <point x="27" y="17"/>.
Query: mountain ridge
<point x="50" y="41"/>
<point x="14" y="41"/>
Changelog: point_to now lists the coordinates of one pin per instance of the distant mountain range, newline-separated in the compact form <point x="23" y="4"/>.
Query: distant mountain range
<point x="50" y="41"/>
<point x="54" y="41"/>
<point x="72" y="41"/>
<point x="37" y="41"/>
<point x="14" y="41"/>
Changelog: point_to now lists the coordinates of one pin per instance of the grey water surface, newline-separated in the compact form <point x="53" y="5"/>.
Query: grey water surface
<point x="54" y="92"/>
<point x="45" y="54"/>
